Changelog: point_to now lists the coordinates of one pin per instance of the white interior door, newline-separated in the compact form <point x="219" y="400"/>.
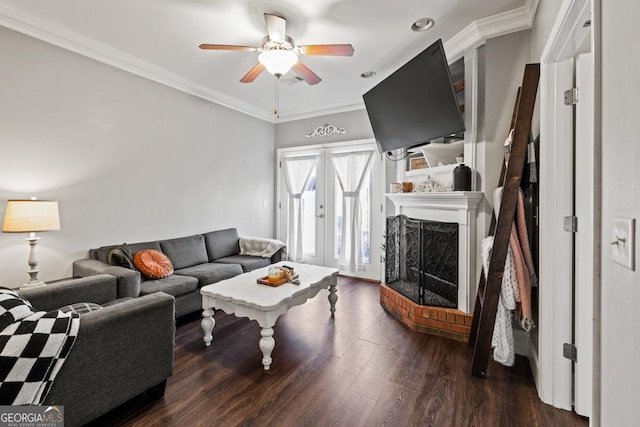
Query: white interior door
<point x="561" y="313"/>
<point x="322" y="208"/>
<point x="555" y="321"/>
<point x="586" y="256"/>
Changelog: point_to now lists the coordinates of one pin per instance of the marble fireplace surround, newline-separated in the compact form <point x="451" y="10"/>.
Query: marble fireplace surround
<point x="455" y="206"/>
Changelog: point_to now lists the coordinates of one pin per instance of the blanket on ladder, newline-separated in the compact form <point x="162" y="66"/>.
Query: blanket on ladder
<point x="33" y="347"/>
<point x="518" y="277"/>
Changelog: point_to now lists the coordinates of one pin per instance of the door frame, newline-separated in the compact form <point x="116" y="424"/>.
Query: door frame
<point x="553" y="373"/>
<point x="376" y="187"/>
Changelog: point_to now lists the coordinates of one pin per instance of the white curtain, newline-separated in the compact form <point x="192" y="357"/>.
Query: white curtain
<point x="351" y="170"/>
<point x="297" y="171"/>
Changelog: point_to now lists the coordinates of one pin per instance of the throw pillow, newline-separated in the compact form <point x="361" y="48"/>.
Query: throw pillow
<point x="153" y="264"/>
<point x="80" y="308"/>
<point x="121" y="257"/>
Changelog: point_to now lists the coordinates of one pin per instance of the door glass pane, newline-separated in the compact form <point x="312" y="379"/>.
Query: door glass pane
<point x="365" y="210"/>
<point x="365" y="230"/>
<point x="337" y="232"/>
<point x="308" y="216"/>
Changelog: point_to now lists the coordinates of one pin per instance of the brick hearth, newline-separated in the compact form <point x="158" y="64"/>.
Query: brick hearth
<point x="447" y="322"/>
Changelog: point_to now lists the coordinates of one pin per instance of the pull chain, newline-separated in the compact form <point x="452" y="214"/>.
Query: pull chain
<point x="276" y="109"/>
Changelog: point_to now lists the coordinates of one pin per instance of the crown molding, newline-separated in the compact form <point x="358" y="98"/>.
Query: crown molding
<point x="478" y="32"/>
<point x="474" y="35"/>
<point x="344" y="107"/>
<point x="86" y="46"/>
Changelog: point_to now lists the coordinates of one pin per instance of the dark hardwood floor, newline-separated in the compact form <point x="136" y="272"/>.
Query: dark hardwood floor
<point x="361" y="368"/>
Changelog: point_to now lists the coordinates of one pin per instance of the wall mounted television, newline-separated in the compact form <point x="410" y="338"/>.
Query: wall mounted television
<point x="415" y="104"/>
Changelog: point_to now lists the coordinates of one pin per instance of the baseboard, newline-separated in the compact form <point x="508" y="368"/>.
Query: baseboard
<point x="534" y="364"/>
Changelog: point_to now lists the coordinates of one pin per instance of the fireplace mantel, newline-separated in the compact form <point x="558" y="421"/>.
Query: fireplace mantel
<point x="452" y="200"/>
<point x="455" y="206"/>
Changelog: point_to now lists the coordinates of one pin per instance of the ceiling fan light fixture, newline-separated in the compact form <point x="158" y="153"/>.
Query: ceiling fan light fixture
<point x="278" y="61"/>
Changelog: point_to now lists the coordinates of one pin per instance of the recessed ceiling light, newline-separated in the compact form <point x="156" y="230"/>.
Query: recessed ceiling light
<point x="368" y="74"/>
<point x="422" y="24"/>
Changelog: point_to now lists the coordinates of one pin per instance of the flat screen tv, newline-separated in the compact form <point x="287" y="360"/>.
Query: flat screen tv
<point x="415" y="104"/>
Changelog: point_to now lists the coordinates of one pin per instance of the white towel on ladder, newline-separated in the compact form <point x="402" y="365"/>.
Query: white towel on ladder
<point x="502" y="339"/>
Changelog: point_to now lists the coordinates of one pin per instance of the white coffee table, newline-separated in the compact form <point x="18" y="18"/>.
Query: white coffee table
<point x="244" y="297"/>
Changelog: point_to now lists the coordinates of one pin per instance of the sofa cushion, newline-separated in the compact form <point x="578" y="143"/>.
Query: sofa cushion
<point x="222" y="243"/>
<point x="175" y="285"/>
<point x="185" y="251"/>
<point x="247" y="262"/>
<point x="211" y="272"/>
<point x="102" y="253"/>
<point x="153" y="264"/>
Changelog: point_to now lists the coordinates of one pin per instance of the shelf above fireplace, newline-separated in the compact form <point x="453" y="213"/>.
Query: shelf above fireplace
<point x="451" y="200"/>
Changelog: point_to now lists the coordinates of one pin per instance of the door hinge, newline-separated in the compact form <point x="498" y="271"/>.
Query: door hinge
<point x="569" y="351"/>
<point x="570" y="224"/>
<point x="280" y="164"/>
<point x="571" y="96"/>
<point x="279" y="205"/>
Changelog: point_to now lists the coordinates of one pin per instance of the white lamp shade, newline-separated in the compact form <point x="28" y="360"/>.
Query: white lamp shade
<point x="278" y="61"/>
<point x="27" y="216"/>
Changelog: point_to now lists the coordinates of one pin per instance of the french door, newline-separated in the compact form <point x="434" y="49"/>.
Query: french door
<point x="324" y="224"/>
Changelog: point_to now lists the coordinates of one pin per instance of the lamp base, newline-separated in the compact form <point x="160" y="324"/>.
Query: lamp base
<point x="31" y="285"/>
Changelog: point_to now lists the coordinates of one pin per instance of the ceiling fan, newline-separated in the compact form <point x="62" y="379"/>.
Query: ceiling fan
<point x="279" y="52"/>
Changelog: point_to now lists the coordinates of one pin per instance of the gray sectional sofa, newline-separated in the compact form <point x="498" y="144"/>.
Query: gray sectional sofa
<point x="198" y="260"/>
<point x="122" y="350"/>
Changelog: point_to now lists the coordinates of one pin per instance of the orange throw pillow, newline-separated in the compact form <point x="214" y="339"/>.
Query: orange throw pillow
<point x="153" y="264"/>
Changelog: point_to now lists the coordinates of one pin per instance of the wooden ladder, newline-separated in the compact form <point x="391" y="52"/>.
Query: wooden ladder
<point x="484" y="314"/>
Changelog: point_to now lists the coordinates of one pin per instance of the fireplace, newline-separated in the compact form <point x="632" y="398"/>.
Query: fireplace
<point x="422" y="260"/>
<point x="443" y="299"/>
<point x="458" y="210"/>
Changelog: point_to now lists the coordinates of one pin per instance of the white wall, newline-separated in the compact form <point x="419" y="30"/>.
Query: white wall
<point x="620" y="379"/>
<point x="501" y="64"/>
<point x="127" y="159"/>
<point x="545" y="18"/>
<point x="292" y="133"/>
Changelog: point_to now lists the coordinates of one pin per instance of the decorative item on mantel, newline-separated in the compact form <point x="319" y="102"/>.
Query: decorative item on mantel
<point x="326" y="130"/>
<point x="431" y="185"/>
<point x="462" y="178"/>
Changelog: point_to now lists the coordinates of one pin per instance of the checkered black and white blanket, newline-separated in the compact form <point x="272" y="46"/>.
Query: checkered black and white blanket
<point x="33" y="347"/>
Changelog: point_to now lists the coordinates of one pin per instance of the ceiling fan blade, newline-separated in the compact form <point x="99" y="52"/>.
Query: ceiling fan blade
<point x="276" y="27"/>
<point x="253" y="73"/>
<point x="306" y="73"/>
<point x="326" y="49"/>
<point x="228" y="47"/>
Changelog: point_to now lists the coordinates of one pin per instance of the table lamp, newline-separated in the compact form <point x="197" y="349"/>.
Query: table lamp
<point x="30" y="216"/>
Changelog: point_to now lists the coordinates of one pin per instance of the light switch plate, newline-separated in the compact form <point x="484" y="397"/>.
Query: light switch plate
<point x="623" y="242"/>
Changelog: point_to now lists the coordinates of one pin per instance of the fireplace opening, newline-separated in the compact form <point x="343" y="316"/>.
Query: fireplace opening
<point x="422" y="260"/>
